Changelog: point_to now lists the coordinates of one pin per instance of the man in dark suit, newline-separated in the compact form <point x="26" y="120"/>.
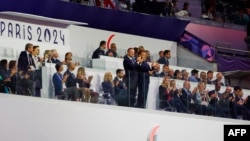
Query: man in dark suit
<point x="71" y="80"/>
<point x="143" y="79"/>
<point x="239" y="109"/>
<point x="165" y="58"/>
<point x="120" y="88"/>
<point x="187" y="97"/>
<point x="210" y="75"/>
<point x="131" y="75"/>
<point x="165" y="71"/>
<point x="100" y="50"/>
<point x="27" y="65"/>
<point x="217" y="88"/>
<point x="54" y="58"/>
<point x="25" y="61"/>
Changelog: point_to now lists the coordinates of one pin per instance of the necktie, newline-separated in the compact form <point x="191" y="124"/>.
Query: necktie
<point x="30" y="60"/>
<point x="133" y="60"/>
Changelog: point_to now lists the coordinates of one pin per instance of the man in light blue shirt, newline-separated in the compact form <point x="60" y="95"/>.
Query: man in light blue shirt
<point x="194" y="76"/>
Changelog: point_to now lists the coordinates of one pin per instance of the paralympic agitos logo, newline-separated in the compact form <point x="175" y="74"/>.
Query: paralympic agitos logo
<point x="152" y="136"/>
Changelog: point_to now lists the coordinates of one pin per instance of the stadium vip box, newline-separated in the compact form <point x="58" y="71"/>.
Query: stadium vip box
<point x="237" y="132"/>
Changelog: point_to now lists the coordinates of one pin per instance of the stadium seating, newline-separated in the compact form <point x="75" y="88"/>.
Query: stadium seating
<point x="49" y="69"/>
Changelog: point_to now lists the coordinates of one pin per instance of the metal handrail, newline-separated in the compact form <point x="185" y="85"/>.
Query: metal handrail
<point x="232" y="49"/>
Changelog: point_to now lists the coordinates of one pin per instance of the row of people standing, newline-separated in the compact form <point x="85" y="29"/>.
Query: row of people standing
<point x="30" y="63"/>
<point x="28" y="69"/>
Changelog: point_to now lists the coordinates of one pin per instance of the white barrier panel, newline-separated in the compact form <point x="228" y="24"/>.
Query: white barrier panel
<point x="37" y="119"/>
<point x="84" y="41"/>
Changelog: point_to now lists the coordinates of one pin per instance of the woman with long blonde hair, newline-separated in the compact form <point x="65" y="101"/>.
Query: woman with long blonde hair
<point x="47" y="56"/>
<point x="84" y="84"/>
<point x="108" y="85"/>
<point x="164" y="92"/>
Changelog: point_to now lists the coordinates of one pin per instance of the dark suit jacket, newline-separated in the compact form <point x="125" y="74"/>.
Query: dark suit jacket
<point x="82" y="84"/>
<point x="143" y="72"/>
<point x="71" y="81"/>
<point x="162" y="74"/>
<point x="121" y="85"/>
<point x="155" y="74"/>
<point x="53" y="60"/>
<point x="237" y="109"/>
<point x="214" y="103"/>
<point x="57" y="82"/>
<point x="163" y="60"/>
<point x="131" y="72"/>
<point x="97" y="53"/>
<point x="163" y="96"/>
<point x="4" y="73"/>
<point x="215" y="81"/>
<point x="23" y="62"/>
<point x="107" y="87"/>
<point x="186" y="98"/>
<point x="210" y="81"/>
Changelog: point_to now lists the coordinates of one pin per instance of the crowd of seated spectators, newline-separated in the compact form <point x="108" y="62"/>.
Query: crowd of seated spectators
<point x="232" y="11"/>
<point x="24" y="78"/>
<point x="218" y="10"/>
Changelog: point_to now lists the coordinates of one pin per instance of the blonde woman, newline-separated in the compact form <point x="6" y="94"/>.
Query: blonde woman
<point x="201" y="98"/>
<point x="84" y="84"/>
<point x="141" y="48"/>
<point x="108" y="85"/>
<point x="47" y="56"/>
<point x="201" y="94"/>
<point x="164" y="92"/>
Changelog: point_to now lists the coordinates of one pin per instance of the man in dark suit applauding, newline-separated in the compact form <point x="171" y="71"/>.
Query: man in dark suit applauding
<point x="120" y="88"/>
<point x="187" y="97"/>
<point x="144" y="70"/>
<point x="131" y="75"/>
<point x="165" y="59"/>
